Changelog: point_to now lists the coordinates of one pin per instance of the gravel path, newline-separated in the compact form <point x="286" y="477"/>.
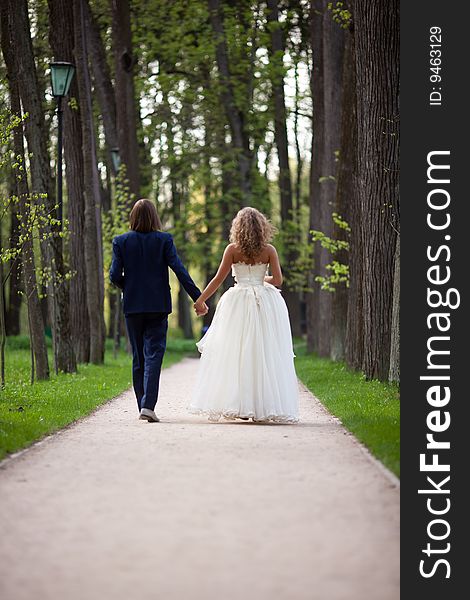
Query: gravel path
<point x="113" y="508"/>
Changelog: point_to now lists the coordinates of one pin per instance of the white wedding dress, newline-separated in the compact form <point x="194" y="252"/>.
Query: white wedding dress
<point x="246" y="367"/>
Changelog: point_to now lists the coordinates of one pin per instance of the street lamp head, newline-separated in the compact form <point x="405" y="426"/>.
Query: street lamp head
<point x="116" y="158"/>
<point x="61" y="77"/>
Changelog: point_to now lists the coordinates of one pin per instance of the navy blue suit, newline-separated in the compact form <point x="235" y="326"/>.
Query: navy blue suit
<point x="140" y="268"/>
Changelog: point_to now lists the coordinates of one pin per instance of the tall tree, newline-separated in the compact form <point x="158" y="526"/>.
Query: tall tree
<point x="377" y="45"/>
<point x="177" y="176"/>
<point x="282" y="145"/>
<point x="41" y="182"/>
<point x="354" y="342"/>
<point x="91" y="190"/>
<point x="35" y="317"/>
<point x="126" y="112"/>
<point x="328" y="48"/>
<point x="345" y="199"/>
<point x="14" y="291"/>
<point x="61" y="37"/>
<point x="103" y="84"/>
<point x="394" y="371"/>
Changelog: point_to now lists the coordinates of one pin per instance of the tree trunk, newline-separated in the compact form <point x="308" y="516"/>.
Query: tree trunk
<point x="240" y="140"/>
<point x="91" y="189"/>
<point x="12" y="316"/>
<point x="3" y="330"/>
<point x="207" y="264"/>
<point x="316" y="85"/>
<point x="394" y="372"/>
<point x="344" y="195"/>
<point x="176" y="178"/>
<point x="280" y="127"/>
<point x="103" y="85"/>
<point x="41" y="181"/>
<point x="282" y="145"/>
<point x="328" y="48"/>
<point x="298" y="153"/>
<point x="61" y="40"/>
<point x="40" y="364"/>
<point x="126" y="115"/>
<point x="354" y="344"/>
<point x="377" y="68"/>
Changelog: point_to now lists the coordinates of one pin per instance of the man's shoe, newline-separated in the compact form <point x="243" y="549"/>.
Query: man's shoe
<point x="146" y="414"/>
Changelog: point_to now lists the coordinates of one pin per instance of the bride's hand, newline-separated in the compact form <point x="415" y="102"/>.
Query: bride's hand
<point x="201" y="308"/>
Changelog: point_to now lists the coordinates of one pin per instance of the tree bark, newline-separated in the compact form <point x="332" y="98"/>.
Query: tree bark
<point x="394" y="371"/>
<point x="282" y="145"/>
<point x="126" y="114"/>
<point x="316" y="86"/>
<point x="207" y="264"/>
<point x="298" y="153"/>
<point x="345" y="190"/>
<point x="61" y="36"/>
<point x="103" y="85"/>
<point x="40" y="363"/>
<point x="12" y="317"/>
<point x="377" y="68"/>
<point x="327" y="48"/>
<point x="41" y="181"/>
<point x="91" y="189"/>
<point x="354" y="343"/>
<point x="178" y="199"/>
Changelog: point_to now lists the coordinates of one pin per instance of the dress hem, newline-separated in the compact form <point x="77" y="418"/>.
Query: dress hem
<point x="217" y="415"/>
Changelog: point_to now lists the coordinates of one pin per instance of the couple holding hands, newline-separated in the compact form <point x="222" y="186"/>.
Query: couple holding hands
<point x="246" y="368"/>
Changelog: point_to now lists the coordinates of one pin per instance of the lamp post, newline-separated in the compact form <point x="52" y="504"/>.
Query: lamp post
<point x="61" y="77"/>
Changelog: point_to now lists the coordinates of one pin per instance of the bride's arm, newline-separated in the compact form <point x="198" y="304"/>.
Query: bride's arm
<point x="276" y="277"/>
<point x="216" y="282"/>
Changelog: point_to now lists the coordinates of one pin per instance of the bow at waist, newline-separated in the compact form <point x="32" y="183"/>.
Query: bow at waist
<point x="253" y="285"/>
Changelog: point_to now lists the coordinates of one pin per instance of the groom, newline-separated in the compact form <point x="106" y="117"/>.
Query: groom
<point x="141" y="258"/>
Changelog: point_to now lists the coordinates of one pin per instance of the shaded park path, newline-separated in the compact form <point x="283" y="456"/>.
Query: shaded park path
<point x="114" y="507"/>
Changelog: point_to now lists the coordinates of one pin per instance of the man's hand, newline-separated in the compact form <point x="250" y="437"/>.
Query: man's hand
<point x="201" y="308"/>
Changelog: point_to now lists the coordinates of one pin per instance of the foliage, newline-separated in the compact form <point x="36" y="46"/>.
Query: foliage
<point x="116" y="220"/>
<point x="339" y="272"/>
<point x="289" y="241"/>
<point x="36" y="221"/>
<point x="341" y="14"/>
<point x="8" y="123"/>
<point x="369" y="409"/>
<point x="185" y="123"/>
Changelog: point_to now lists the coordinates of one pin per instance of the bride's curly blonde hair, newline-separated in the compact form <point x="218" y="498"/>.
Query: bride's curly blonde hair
<point x="251" y="231"/>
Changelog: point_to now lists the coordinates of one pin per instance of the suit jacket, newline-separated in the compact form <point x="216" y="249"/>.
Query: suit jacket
<point x="140" y="268"/>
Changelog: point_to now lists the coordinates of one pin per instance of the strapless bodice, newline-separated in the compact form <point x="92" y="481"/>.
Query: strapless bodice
<point x="246" y="274"/>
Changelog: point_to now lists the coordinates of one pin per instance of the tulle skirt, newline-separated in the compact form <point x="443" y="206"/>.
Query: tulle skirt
<point x="246" y="367"/>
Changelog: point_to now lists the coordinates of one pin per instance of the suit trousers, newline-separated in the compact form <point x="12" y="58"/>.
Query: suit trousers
<point x="147" y="335"/>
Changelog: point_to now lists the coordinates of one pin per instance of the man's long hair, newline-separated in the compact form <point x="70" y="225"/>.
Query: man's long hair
<point x="144" y="217"/>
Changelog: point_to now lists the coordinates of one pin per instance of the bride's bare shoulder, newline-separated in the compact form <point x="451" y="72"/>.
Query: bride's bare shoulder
<point x="229" y="252"/>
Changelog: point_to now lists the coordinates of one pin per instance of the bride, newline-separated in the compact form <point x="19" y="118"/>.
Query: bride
<point x="247" y="368"/>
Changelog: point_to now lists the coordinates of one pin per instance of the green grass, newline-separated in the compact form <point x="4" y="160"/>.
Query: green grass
<point x="369" y="409"/>
<point x="28" y="413"/>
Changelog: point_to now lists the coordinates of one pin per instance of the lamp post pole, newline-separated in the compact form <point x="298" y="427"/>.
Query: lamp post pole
<point x="60" y="121"/>
<point x="61" y="77"/>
